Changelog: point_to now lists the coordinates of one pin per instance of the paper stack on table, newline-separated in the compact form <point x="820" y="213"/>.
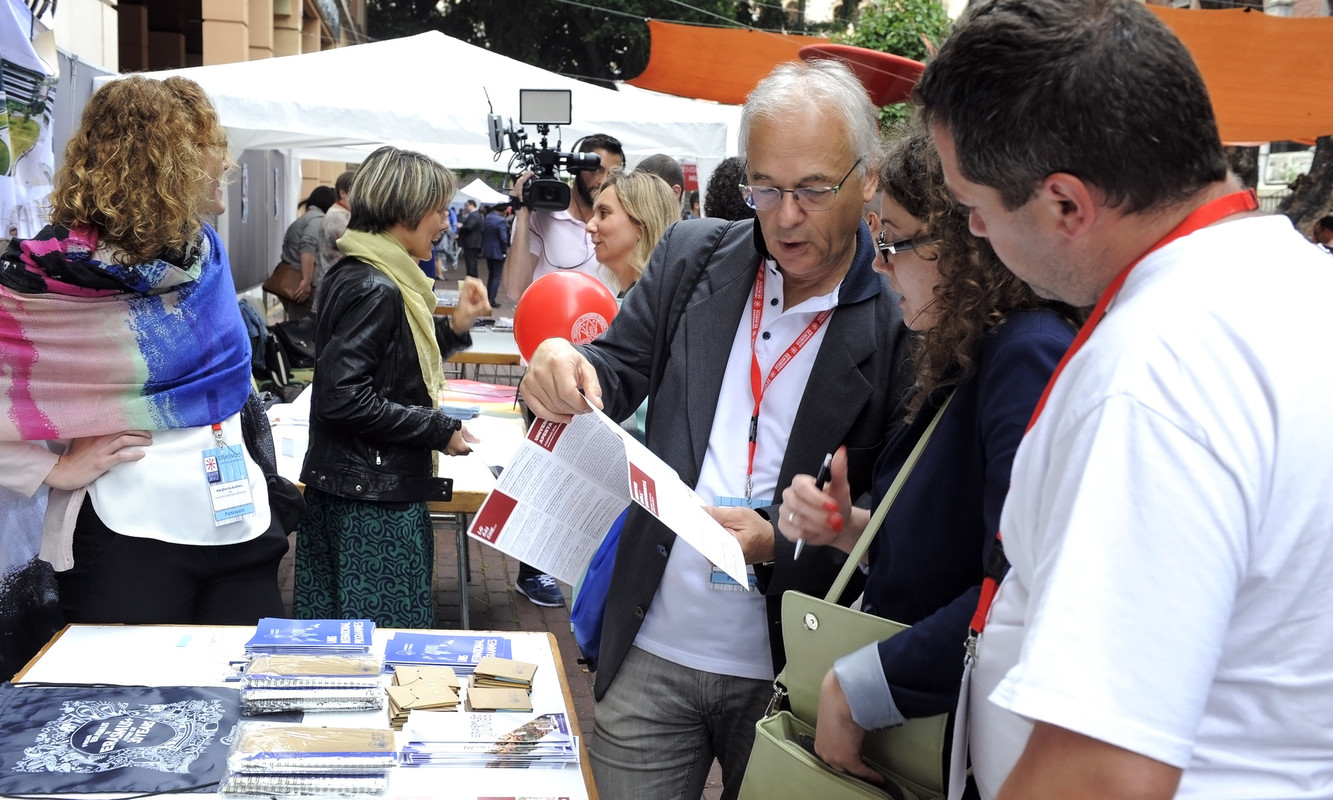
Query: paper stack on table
<point x="461" y="651"/>
<point x="492" y="398"/>
<point x="495" y="698"/>
<point x="302" y="760"/>
<point x="504" y="672"/>
<point x="501" y="684"/>
<point x="469" y="739"/>
<point x="421" y="689"/>
<point x="272" y="684"/>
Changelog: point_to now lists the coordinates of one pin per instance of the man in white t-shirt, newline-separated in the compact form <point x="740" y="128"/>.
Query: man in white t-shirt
<point x="687" y="656"/>
<point x="554" y="241"/>
<point x="1163" y="628"/>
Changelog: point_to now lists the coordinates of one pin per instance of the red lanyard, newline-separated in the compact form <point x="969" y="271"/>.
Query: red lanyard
<point x="757" y="388"/>
<point x="1203" y="216"/>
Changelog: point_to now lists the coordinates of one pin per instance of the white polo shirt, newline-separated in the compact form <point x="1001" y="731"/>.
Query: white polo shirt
<point x="691" y="622"/>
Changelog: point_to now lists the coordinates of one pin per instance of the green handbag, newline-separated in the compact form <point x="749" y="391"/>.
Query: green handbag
<point x="816" y="633"/>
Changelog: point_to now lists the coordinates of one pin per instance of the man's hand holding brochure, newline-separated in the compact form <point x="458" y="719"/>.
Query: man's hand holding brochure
<point x="569" y="481"/>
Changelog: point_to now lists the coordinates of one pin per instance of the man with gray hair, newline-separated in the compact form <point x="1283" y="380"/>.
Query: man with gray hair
<point x="687" y="657"/>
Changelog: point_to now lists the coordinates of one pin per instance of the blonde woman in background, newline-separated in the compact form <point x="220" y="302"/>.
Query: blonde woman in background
<point x="631" y="213"/>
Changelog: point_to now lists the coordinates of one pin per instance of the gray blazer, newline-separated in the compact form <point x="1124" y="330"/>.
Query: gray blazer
<point x="673" y="335"/>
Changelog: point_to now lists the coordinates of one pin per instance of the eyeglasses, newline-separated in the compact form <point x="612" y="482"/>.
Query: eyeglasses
<point x="810" y="198"/>
<point x="887" y="248"/>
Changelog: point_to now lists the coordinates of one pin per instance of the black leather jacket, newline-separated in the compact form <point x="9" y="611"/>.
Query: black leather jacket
<point x="372" y="423"/>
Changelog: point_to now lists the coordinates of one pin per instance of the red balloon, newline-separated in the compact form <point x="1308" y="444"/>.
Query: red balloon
<point x="562" y="305"/>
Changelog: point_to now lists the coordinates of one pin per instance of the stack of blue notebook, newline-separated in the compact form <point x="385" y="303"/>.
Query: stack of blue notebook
<point x="297" y="637"/>
<point x="460" y="651"/>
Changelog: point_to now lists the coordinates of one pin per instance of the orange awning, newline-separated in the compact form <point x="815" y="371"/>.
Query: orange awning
<point x="1270" y="78"/>
<point x="721" y="64"/>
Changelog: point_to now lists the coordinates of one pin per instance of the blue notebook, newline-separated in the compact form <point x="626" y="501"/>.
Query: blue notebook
<point x="460" y="651"/>
<point x="276" y="636"/>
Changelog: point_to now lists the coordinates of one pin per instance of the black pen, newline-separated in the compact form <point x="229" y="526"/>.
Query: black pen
<point x="821" y="478"/>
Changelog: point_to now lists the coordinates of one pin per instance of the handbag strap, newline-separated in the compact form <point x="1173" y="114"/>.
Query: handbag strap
<point x="877" y="519"/>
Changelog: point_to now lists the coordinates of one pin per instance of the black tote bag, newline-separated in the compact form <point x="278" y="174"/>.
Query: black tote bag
<point x="91" y="739"/>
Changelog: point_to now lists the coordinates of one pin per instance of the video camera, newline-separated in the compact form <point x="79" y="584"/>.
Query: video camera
<point x="543" y="108"/>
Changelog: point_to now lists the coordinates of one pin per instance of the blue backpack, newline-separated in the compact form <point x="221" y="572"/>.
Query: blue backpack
<point x="590" y="601"/>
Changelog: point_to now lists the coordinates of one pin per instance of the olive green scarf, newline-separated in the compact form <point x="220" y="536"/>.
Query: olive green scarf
<point x="385" y="253"/>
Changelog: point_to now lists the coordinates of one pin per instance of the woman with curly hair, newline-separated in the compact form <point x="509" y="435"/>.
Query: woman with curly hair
<point x="984" y="337"/>
<point x="723" y="196"/>
<point x="129" y="394"/>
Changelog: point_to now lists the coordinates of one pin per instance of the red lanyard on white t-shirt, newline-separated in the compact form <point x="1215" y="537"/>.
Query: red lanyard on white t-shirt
<point x="1203" y="216"/>
<point x="758" y="388"/>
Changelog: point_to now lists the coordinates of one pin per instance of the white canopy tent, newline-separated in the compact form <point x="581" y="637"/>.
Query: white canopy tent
<point x="480" y="192"/>
<point x="431" y="94"/>
<point x="340" y="104"/>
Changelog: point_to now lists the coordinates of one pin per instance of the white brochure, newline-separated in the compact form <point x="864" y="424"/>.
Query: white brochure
<point x="569" y="481"/>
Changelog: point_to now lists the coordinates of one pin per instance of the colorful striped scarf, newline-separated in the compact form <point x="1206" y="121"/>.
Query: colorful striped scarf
<point x="89" y="347"/>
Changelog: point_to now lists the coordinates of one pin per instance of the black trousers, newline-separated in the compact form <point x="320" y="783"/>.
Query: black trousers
<point x="132" y="580"/>
<point x="494" y="269"/>
<point x="470" y="256"/>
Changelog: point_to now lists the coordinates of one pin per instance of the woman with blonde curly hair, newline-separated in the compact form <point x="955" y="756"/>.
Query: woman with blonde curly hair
<point x="986" y="339"/>
<point x="130" y="395"/>
<point x="631" y="213"/>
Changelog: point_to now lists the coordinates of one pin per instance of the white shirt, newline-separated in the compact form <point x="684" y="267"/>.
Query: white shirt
<point x="1170" y="529"/>
<point x="690" y="623"/>
<point x="165" y="495"/>
<point x="561" y="244"/>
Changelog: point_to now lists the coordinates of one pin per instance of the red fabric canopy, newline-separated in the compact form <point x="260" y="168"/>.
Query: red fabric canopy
<point x="1270" y="78"/>
<point x="721" y="64"/>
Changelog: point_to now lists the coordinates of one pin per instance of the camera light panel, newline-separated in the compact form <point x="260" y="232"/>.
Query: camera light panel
<point x="545" y="106"/>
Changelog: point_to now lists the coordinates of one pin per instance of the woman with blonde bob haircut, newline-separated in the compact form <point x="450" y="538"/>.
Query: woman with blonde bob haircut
<point x="130" y="392"/>
<point x="631" y="214"/>
<point x="366" y="549"/>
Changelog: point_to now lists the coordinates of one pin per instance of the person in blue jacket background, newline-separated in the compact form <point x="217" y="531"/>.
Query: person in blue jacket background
<point x="494" y="246"/>
<point x="984" y="336"/>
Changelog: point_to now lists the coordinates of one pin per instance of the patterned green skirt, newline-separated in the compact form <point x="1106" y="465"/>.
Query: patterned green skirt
<point x="359" y="560"/>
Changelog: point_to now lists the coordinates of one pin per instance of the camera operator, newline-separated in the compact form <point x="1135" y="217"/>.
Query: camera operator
<point x="543" y="242"/>
<point x="546" y="241"/>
